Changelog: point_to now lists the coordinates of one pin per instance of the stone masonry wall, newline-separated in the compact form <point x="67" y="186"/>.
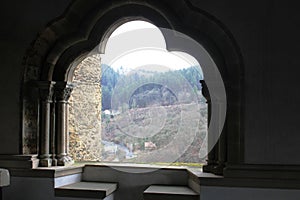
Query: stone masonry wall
<point x="85" y="111"/>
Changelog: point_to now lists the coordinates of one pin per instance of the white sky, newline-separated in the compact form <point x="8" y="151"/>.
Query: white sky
<point x="133" y="25"/>
<point x="137" y="50"/>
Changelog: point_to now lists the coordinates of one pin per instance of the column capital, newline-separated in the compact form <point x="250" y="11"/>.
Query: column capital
<point x="63" y="91"/>
<point x="45" y="90"/>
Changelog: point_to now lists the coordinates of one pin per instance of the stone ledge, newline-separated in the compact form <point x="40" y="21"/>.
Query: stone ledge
<point x="253" y="177"/>
<point x="47" y="172"/>
<point x="165" y="192"/>
<point x="251" y="183"/>
<point x="86" y="190"/>
<point x="197" y="174"/>
<point x="285" y="172"/>
<point x="19" y="161"/>
<point x="135" y="166"/>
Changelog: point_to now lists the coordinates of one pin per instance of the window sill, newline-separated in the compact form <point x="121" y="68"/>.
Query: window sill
<point x="195" y="174"/>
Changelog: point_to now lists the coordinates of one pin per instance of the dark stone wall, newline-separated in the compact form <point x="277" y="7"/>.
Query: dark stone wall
<point x="21" y="21"/>
<point x="267" y="33"/>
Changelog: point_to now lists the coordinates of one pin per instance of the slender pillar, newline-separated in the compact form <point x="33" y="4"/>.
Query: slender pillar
<point x="52" y="135"/>
<point x="221" y="145"/>
<point x="46" y="93"/>
<point x="219" y="149"/>
<point x="221" y="154"/>
<point x="212" y="154"/>
<point x="62" y="94"/>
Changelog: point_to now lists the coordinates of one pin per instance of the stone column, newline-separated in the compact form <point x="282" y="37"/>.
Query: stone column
<point x="52" y="135"/>
<point x="46" y="93"/>
<point x="62" y="94"/>
<point x="219" y="150"/>
<point x="212" y="154"/>
<point x="222" y="153"/>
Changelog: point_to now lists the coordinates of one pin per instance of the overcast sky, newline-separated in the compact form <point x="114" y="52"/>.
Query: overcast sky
<point x="137" y="44"/>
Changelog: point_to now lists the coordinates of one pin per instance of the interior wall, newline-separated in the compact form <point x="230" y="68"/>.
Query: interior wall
<point x="21" y="21"/>
<point x="266" y="32"/>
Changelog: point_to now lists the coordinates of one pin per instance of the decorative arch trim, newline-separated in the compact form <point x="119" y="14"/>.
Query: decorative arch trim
<point x="84" y="26"/>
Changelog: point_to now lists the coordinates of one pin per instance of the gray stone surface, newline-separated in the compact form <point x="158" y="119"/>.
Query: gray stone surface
<point x="159" y="192"/>
<point x="162" y="189"/>
<point x="66" y="180"/>
<point x="132" y="181"/>
<point x="108" y="188"/>
<point x="86" y="189"/>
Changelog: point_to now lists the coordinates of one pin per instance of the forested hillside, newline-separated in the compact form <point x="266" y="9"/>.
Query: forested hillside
<point x="149" y="87"/>
<point x="153" y="116"/>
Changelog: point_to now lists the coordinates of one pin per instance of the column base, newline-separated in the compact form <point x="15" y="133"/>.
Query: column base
<point x="208" y="168"/>
<point x="214" y="167"/>
<point x="54" y="162"/>
<point x="45" y="162"/>
<point x="64" y="160"/>
<point x="218" y="170"/>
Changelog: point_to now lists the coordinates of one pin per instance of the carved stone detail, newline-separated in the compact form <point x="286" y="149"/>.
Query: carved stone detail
<point x="63" y="91"/>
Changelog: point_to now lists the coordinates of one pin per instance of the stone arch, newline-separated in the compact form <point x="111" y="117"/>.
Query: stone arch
<point x="83" y="26"/>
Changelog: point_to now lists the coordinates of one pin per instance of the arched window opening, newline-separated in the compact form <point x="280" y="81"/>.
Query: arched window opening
<point x="49" y="80"/>
<point x="142" y="104"/>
